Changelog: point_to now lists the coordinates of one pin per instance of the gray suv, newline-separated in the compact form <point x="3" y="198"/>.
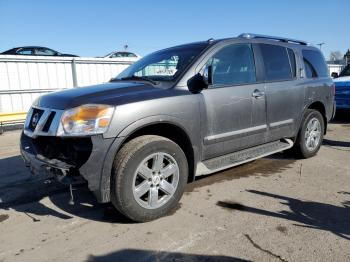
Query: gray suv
<point x="180" y="113"/>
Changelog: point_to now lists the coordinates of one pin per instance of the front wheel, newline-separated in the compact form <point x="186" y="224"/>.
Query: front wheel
<point x="310" y="135"/>
<point x="149" y="177"/>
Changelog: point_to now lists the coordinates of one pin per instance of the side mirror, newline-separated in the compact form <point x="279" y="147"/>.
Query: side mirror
<point x="196" y="84"/>
<point x="201" y="80"/>
<point x="334" y="75"/>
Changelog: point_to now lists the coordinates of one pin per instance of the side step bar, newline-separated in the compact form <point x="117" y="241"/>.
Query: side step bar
<point x="240" y="157"/>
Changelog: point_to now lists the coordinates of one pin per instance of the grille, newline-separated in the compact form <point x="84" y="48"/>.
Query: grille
<point x="49" y="121"/>
<point x="42" y="122"/>
<point x="34" y="119"/>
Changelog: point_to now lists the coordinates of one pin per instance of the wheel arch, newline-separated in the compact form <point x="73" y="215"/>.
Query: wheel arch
<point x="163" y="125"/>
<point x="172" y="131"/>
<point x="319" y="106"/>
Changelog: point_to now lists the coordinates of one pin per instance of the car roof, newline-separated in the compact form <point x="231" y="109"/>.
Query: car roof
<point x="256" y="38"/>
<point x="31" y="47"/>
<point x="122" y="52"/>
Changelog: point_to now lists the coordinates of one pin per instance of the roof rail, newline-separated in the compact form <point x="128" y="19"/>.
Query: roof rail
<point x="275" y="38"/>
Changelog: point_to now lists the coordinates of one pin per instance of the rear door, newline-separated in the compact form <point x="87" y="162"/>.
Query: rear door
<point x="234" y="105"/>
<point x="284" y="91"/>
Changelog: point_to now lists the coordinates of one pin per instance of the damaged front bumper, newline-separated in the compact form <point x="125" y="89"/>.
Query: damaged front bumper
<point x="39" y="165"/>
<point x="70" y="159"/>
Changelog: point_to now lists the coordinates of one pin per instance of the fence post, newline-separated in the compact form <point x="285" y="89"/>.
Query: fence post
<point x="74" y="73"/>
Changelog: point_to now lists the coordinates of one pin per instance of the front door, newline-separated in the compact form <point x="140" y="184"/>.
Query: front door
<point x="234" y="105"/>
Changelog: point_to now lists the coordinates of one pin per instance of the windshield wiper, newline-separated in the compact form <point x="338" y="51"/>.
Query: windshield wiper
<point x="133" y="77"/>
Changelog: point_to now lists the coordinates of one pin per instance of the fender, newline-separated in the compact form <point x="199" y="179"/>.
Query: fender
<point x="104" y="194"/>
<point x="151" y="120"/>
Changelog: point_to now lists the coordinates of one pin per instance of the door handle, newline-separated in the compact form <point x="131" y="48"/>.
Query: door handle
<point x="257" y="93"/>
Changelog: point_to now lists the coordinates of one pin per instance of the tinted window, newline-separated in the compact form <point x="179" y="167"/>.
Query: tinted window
<point x="233" y="65"/>
<point x="276" y="62"/>
<point x="315" y="65"/>
<point x="131" y="55"/>
<point x="117" y="55"/>
<point x="291" y="56"/>
<point x="123" y="54"/>
<point x="44" y="51"/>
<point x="25" y="51"/>
<point x="310" y="71"/>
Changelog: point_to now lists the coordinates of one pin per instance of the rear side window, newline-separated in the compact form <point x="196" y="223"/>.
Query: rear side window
<point x="123" y="54"/>
<point x="276" y="62"/>
<point x="314" y="63"/>
<point x="44" y="51"/>
<point x="233" y="65"/>
<point x="131" y="55"/>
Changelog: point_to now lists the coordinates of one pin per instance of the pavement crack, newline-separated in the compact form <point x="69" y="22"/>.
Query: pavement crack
<point x="264" y="250"/>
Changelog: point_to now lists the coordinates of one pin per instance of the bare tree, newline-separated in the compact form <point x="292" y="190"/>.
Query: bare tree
<point x="335" y="55"/>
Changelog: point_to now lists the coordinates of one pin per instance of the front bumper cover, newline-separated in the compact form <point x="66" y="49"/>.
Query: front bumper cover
<point x="96" y="170"/>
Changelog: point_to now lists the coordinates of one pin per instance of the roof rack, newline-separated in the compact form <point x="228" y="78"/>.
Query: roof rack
<point x="275" y="38"/>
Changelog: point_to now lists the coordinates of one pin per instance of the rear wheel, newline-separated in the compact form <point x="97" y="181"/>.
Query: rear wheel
<point x="149" y="177"/>
<point x="310" y="135"/>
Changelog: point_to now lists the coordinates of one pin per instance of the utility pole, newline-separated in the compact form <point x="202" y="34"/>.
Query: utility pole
<point x="320" y="45"/>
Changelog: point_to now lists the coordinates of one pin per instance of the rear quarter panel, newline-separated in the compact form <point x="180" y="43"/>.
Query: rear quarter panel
<point x="318" y="90"/>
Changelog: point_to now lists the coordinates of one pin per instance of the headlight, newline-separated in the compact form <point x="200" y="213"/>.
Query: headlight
<point x="86" y="120"/>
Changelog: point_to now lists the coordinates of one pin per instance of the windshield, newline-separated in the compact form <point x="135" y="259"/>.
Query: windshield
<point x="346" y="71"/>
<point x="164" y="65"/>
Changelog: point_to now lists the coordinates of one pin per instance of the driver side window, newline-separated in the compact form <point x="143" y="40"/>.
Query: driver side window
<point x="233" y="65"/>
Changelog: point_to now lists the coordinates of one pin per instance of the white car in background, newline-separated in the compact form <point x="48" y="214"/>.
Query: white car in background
<point x="123" y="54"/>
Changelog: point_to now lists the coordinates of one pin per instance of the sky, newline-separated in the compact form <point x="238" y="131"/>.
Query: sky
<point x="95" y="28"/>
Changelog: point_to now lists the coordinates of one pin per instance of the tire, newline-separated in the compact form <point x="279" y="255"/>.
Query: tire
<point x="304" y="148"/>
<point x="135" y="170"/>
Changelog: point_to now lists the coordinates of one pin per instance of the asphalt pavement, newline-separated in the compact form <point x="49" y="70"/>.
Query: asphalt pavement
<point x="273" y="209"/>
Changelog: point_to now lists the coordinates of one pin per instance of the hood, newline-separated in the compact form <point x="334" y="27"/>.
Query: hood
<point x="341" y="79"/>
<point x="109" y="93"/>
